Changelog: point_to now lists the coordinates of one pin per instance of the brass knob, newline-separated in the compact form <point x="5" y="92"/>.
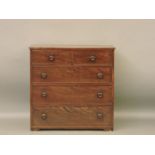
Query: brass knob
<point x="100" y="94"/>
<point x="44" y="94"/>
<point x="43" y="116"/>
<point x="43" y="75"/>
<point x="92" y="58"/>
<point x="100" y="75"/>
<point x="99" y="115"/>
<point x="51" y="58"/>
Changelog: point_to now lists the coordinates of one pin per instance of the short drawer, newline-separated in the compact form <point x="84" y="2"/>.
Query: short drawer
<point x="73" y="118"/>
<point x="72" y="74"/>
<point x="71" y="95"/>
<point x="51" y="56"/>
<point x="94" y="56"/>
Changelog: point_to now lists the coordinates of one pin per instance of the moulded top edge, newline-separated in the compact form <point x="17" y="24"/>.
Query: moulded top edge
<point x="69" y="46"/>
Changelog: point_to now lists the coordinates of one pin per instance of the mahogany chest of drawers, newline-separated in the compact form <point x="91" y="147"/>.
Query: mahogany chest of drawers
<point x="72" y="87"/>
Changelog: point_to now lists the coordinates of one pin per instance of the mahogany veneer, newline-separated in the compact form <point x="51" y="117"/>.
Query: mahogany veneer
<point x="72" y="87"/>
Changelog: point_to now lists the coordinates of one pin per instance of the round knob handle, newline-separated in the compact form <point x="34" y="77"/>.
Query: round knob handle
<point x="92" y="58"/>
<point x="100" y="94"/>
<point x="99" y="115"/>
<point x="43" y="75"/>
<point x="51" y="58"/>
<point x="100" y="75"/>
<point x="44" y="94"/>
<point x="43" y="116"/>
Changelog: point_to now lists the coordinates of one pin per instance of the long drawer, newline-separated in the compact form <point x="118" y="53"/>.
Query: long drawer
<point x="73" y="117"/>
<point x="71" y="95"/>
<point x="72" y="74"/>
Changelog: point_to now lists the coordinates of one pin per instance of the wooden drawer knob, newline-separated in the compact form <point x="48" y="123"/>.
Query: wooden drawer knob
<point x="43" y="75"/>
<point x="44" y="94"/>
<point x="92" y="58"/>
<point x="99" y="115"/>
<point x="100" y="94"/>
<point x="43" y="116"/>
<point x="100" y="75"/>
<point x="51" y="58"/>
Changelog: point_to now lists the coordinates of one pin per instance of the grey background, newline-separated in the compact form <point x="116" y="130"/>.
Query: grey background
<point x="134" y="69"/>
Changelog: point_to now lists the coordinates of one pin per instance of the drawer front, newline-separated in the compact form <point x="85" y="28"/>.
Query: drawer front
<point x="72" y="74"/>
<point x="93" y="56"/>
<point x="51" y="56"/>
<point x="71" y="95"/>
<point x="72" y="117"/>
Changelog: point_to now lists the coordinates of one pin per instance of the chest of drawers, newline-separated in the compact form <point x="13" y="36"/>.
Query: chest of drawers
<point x="72" y="87"/>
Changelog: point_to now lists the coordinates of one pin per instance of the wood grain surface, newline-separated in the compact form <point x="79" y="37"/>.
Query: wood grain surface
<point x="73" y="117"/>
<point x="81" y="74"/>
<point x="71" y="95"/>
<point x="71" y="88"/>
